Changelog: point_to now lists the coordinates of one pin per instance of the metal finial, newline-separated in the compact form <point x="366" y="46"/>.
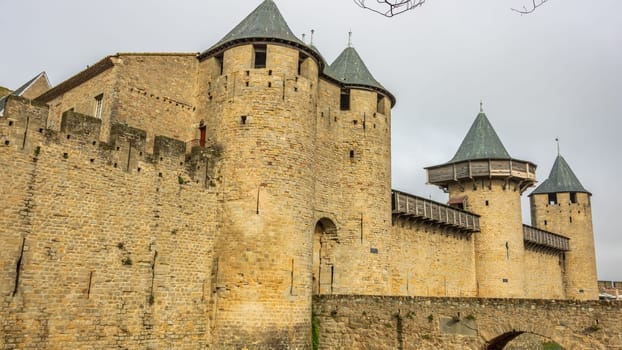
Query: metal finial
<point x="557" y="140"/>
<point x="312" y="32"/>
<point x="304" y="37"/>
<point x="481" y="106"/>
<point x="350" y="38"/>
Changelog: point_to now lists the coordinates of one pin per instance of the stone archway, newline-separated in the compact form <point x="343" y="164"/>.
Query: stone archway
<point x="324" y="242"/>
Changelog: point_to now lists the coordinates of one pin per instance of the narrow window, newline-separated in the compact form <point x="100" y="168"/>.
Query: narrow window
<point x="220" y="60"/>
<point x="552" y="198"/>
<point x="380" y="104"/>
<point x="487" y="203"/>
<point x="301" y="60"/>
<point x="203" y="130"/>
<point x="573" y="197"/>
<point x="345" y="99"/>
<point x="351" y="154"/>
<point x="260" y="56"/>
<point x="99" y="103"/>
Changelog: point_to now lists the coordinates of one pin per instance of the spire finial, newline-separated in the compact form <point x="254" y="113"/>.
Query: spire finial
<point x="350" y="38"/>
<point x="304" y="37"/>
<point x="312" y="32"/>
<point x="481" y="106"/>
<point x="557" y="140"/>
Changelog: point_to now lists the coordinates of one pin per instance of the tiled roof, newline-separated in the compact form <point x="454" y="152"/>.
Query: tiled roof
<point x="561" y="179"/>
<point x="481" y="142"/>
<point x="265" y="22"/>
<point x="349" y="69"/>
<point x="20" y="90"/>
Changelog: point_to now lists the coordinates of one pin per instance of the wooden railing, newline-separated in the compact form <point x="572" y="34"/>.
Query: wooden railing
<point x="429" y="210"/>
<point x="469" y="169"/>
<point x="537" y="237"/>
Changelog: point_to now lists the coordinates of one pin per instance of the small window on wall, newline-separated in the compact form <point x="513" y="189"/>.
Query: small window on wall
<point x="260" y="56"/>
<point x="99" y="104"/>
<point x="345" y="100"/>
<point x="220" y="60"/>
<point x="552" y="198"/>
<point x="380" y="103"/>
<point x="301" y="60"/>
<point x="573" y="197"/>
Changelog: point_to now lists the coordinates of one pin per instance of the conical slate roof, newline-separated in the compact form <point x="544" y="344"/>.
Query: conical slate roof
<point x="481" y="142"/>
<point x="265" y="22"/>
<point x="561" y="179"/>
<point x="349" y="69"/>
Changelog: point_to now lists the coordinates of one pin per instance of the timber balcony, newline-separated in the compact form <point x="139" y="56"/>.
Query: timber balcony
<point x="524" y="172"/>
<point x="417" y="208"/>
<point x="537" y="238"/>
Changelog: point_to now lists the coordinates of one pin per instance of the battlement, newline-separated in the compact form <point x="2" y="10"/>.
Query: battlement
<point x="24" y="126"/>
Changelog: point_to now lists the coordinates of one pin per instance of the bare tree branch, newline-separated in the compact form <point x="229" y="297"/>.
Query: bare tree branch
<point x="527" y="10"/>
<point x="389" y="8"/>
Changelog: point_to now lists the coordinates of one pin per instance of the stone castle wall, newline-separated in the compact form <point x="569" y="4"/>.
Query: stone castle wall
<point x="377" y="322"/>
<point x="98" y="255"/>
<point x="428" y="260"/>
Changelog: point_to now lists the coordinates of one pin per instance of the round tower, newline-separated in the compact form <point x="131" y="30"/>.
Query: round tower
<point x="355" y="186"/>
<point x="486" y="180"/>
<point x="258" y="91"/>
<point x="562" y="205"/>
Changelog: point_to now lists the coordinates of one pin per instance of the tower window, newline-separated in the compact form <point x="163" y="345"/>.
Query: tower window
<point x="301" y="60"/>
<point x="552" y="198"/>
<point x="220" y="60"/>
<point x="99" y="104"/>
<point x="380" y="104"/>
<point x="345" y="100"/>
<point x="573" y="197"/>
<point x="260" y="56"/>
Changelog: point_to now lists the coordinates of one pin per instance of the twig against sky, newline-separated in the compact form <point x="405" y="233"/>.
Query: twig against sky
<point x="527" y="10"/>
<point x="390" y="8"/>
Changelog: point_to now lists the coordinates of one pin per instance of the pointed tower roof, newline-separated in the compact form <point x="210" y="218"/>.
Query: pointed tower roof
<point x="482" y="155"/>
<point x="350" y="70"/>
<point x="265" y="23"/>
<point x="481" y="142"/>
<point x="561" y="179"/>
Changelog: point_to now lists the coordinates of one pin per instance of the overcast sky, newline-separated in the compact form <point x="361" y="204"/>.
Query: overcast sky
<point x="554" y="73"/>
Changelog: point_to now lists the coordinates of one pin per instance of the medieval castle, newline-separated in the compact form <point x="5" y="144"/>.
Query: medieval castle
<point x="171" y="200"/>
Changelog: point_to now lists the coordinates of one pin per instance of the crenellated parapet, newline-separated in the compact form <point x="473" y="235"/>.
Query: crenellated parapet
<point x="23" y="128"/>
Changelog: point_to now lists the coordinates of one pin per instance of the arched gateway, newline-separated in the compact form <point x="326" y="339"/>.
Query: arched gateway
<point x="324" y="240"/>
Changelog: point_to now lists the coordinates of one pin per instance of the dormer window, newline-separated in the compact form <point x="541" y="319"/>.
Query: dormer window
<point x="345" y="100"/>
<point x="259" y="56"/>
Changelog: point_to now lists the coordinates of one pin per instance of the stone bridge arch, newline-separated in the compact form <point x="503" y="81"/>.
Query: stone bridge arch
<point x="498" y="336"/>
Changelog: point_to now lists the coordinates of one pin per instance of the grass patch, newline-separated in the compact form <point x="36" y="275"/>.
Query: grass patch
<point x="551" y="346"/>
<point x="315" y="331"/>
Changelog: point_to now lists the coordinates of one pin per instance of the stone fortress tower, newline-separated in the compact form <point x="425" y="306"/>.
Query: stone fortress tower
<point x="562" y="204"/>
<point x="485" y="179"/>
<point x="222" y="190"/>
